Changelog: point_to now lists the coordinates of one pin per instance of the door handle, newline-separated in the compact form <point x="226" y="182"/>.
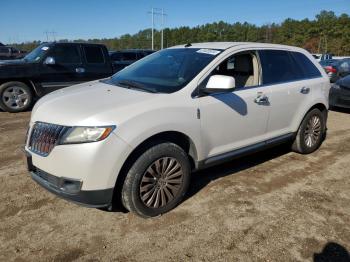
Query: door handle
<point x="305" y="90"/>
<point x="80" y="70"/>
<point x="261" y="98"/>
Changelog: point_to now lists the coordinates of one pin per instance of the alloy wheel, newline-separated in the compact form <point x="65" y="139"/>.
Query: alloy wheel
<point x="313" y="131"/>
<point x="15" y="97"/>
<point x="161" y="182"/>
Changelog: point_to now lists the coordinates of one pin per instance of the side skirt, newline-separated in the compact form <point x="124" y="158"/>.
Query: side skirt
<point x="219" y="159"/>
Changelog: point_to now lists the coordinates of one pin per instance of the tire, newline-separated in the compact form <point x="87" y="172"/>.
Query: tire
<point x="15" y="97"/>
<point x="311" y="132"/>
<point x="143" y="174"/>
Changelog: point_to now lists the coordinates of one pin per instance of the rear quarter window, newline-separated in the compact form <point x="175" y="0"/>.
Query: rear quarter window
<point x="278" y="66"/>
<point x="308" y="68"/>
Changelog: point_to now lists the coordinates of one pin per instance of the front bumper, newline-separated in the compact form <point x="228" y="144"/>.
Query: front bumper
<point x="339" y="97"/>
<point x="83" y="173"/>
<point x="69" y="189"/>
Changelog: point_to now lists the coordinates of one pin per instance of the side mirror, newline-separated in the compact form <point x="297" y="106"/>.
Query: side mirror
<point x="220" y="84"/>
<point x="50" y="61"/>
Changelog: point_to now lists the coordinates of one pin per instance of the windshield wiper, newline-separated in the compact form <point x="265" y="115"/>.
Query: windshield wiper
<point x="133" y="85"/>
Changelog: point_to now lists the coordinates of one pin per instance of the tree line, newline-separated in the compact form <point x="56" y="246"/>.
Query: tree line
<point x="326" y="33"/>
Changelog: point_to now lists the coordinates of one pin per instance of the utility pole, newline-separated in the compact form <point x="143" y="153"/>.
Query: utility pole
<point x="47" y="35"/>
<point x="159" y="12"/>
<point x="162" y="41"/>
<point x="152" y="28"/>
<point x="53" y="33"/>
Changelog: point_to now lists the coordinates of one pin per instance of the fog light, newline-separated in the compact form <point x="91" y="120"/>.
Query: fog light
<point x="70" y="186"/>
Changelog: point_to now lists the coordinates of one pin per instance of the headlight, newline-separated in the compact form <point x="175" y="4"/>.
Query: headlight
<point x="86" y="134"/>
<point x="335" y="86"/>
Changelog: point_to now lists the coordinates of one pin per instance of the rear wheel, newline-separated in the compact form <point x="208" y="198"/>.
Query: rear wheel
<point x="15" y="97"/>
<point x="157" y="181"/>
<point x="311" y="132"/>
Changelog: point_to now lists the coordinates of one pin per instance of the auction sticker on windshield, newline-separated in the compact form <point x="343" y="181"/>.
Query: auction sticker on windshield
<point x="208" y="51"/>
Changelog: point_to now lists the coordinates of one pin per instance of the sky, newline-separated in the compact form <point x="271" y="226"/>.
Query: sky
<point x="27" y="20"/>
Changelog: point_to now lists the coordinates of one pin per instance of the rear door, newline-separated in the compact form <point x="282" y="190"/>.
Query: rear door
<point x="96" y="65"/>
<point x="290" y="78"/>
<point x="65" y="71"/>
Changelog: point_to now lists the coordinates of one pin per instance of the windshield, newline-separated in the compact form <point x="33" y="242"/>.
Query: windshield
<point x="166" y="71"/>
<point x="37" y="53"/>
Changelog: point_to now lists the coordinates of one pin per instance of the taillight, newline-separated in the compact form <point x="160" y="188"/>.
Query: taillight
<point x="330" y="69"/>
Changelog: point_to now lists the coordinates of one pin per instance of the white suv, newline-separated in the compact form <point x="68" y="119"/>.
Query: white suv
<point x="136" y="136"/>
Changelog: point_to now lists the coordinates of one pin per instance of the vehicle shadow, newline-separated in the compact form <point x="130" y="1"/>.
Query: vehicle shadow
<point x="233" y="101"/>
<point x="332" y="252"/>
<point x="201" y="179"/>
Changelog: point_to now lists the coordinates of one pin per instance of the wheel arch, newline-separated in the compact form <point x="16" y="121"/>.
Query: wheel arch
<point x="28" y="82"/>
<point x="176" y="137"/>
<point x="320" y="106"/>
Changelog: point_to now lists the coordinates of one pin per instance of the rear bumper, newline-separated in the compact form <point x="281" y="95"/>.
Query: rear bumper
<point x="93" y="198"/>
<point x="339" y="97"/>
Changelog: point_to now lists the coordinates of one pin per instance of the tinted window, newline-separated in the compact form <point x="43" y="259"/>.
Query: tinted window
<point x="345" y="65"/>
<point x="278" y="66"/>
<point x="94" y="54"/>
<point x="308" y="68"/>
<point x="4" y="50"/>
<point x="143" y="54"/>
<point x="129" y="56"/>
<point x="66" y="54"/>
<point x="116" y="57"/>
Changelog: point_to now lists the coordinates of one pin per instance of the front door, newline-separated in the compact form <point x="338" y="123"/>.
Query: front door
<point x="230" y="121"/>
<point x="67" y="69"/>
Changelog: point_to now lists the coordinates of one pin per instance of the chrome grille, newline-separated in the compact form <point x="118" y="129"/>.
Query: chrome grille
<point x="44" y="137"/>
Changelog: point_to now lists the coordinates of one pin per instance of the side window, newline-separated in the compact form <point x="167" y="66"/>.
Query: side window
<point x="278" y="67"/>
<point x="94" y="54"/>
<point x="345" y="66"/>
<point x="128" y="56"/>
<point x="141" y="55"/>
<point x="117" y="57"/>
<point x="66" y="54"/>
<point x="308" y="68"/>
<point x="244" y="67"/>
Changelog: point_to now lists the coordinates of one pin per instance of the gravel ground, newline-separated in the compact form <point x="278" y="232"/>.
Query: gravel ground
<point x="271" y="206"/>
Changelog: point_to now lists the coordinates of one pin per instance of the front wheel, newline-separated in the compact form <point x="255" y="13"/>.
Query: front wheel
<point x="157" y="181"/>
<point x="311" y="132"/>
<point x="15" y="97"/>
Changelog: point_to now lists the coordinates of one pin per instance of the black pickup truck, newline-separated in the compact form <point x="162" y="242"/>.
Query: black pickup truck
<point x="49" y="67"/>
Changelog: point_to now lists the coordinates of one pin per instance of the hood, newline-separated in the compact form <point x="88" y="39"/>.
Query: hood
<point x="92" y="103"/>
<point x="17" y="68"/>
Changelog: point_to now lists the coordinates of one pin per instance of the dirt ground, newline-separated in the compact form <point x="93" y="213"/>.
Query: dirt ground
<point x="272" y="206"/>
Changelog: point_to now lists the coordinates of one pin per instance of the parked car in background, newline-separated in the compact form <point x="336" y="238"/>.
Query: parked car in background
<point x="339" y="95"/>
<point x="138" y="135"/>
<point x="7" y="52"/>
<point x="327" y="62"/>
<point x="337" y="69"/>
<point x="49" y="67"/>
<point x="122" y="59"/>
